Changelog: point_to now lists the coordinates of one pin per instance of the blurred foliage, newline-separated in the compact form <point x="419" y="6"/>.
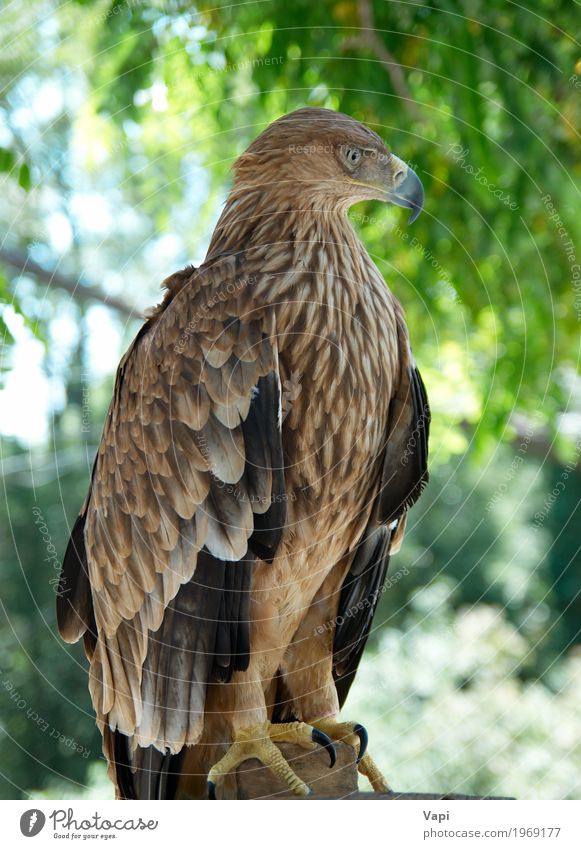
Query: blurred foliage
<point x="447" y="710"/>
<point x="119" y="123"/>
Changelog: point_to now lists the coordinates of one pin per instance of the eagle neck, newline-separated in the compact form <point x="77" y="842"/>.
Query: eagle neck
<point x="312" y="232"/>
<point x="296" y="253"/>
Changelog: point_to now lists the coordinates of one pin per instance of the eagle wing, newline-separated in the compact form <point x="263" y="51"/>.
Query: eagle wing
<point x="404" y="474"/>
<point x="187" y="488"/>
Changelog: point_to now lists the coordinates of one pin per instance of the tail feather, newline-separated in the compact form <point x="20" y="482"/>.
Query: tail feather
<point x="147" y="774"/>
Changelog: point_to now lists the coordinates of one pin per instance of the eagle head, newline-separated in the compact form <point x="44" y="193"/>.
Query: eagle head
<point x="322" y="159"/>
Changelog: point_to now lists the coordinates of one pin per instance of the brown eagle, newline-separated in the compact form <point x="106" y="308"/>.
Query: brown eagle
<point x="267" y="435"/>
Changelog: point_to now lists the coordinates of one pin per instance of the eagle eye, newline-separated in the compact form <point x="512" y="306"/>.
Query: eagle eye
<point x="352" y="155"/>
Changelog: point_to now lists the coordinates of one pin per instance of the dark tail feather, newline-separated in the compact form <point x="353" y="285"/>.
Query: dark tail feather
<point x="149" y="775"/>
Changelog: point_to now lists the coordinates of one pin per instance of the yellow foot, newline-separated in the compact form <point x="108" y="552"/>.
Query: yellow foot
<point x="355" y="735"/>
<point x="259" y="742"/>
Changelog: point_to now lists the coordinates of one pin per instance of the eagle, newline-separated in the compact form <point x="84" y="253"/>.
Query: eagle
<point x="267" y="436"/>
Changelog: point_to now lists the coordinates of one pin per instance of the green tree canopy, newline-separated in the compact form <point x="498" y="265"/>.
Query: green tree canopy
<point x="119" y="124"/>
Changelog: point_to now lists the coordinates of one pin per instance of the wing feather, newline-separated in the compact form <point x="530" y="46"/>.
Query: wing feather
<point x="404" y="474"/>
<point x="160" y="556"/>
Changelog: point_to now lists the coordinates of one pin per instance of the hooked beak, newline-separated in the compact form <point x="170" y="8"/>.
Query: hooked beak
<point x="407" y="190"/>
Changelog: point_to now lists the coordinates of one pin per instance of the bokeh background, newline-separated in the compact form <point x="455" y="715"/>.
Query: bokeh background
<point x="119" y="123"/>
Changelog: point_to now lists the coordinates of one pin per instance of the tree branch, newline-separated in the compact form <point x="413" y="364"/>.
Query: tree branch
<point x="370" y="40"/>
<point x="85" y="294"/>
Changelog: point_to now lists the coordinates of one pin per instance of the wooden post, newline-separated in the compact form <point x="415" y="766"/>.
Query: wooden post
<point x="254" y="781"/>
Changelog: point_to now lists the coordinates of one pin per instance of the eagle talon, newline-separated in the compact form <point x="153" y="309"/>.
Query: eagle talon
<point x="259" y="742"/>
<point x="354" y="734"/>
<point x="323" y="740"/>
<point x="361" y="732"/>
<point x="371" y="771"/>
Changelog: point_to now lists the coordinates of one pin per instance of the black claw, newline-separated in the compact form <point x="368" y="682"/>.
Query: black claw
<point x="211" y="790"/>
<point x="363" y="739"/>
<point x="322" y="739"/>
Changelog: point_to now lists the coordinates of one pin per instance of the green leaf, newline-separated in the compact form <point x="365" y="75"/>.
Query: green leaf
<point x="24" y="177"/>
<point x="7" y="159"/>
